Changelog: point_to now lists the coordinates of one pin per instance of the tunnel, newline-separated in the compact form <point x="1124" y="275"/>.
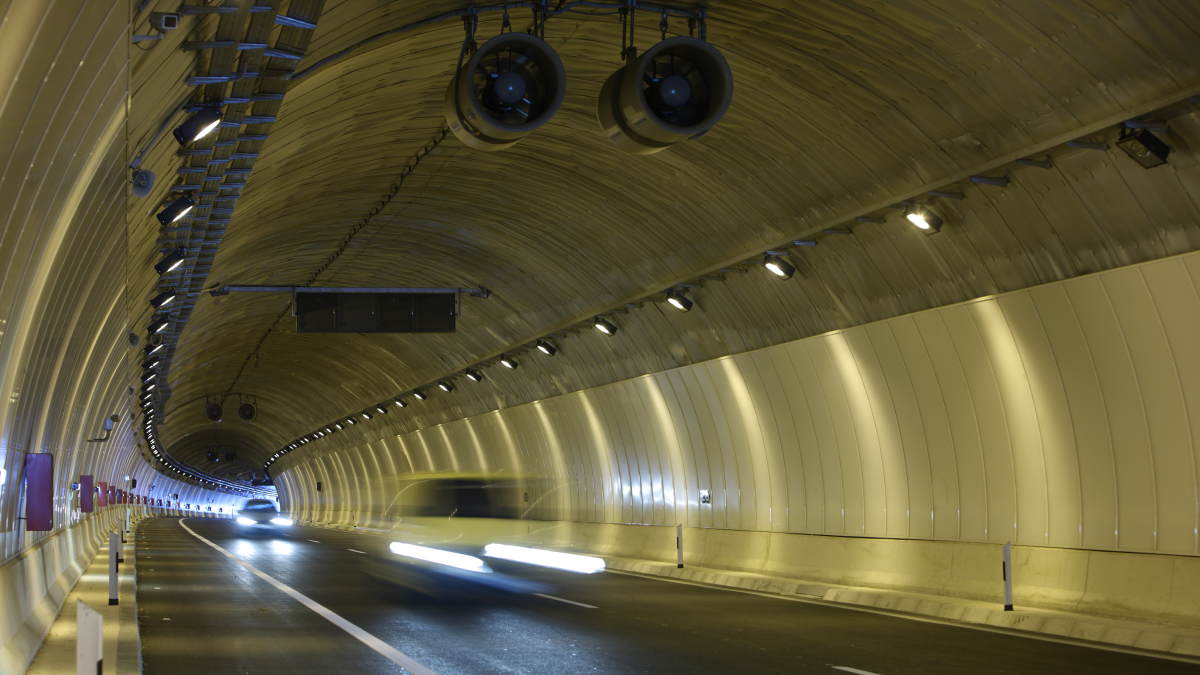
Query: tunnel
<point x="599" y="336"/>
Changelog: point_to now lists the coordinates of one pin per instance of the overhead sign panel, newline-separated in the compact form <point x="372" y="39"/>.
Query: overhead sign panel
<point x="375" y="312"/>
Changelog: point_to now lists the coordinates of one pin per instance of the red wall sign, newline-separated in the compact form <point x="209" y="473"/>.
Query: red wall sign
<point x="103" y="493"/>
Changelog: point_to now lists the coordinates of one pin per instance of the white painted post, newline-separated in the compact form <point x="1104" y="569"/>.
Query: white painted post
<point x="679" y="544"/>
<point x="1008" y="602"/>
<point x="114" y="543"/>
<point x="89" y="640"/>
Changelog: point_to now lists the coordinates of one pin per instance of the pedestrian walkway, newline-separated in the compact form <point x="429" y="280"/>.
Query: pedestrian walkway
<point x="122" y="653"/>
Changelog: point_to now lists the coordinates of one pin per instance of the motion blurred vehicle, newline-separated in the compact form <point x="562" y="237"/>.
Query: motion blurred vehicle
<point x="261" y="513"/>
<point x="441" y="524"/>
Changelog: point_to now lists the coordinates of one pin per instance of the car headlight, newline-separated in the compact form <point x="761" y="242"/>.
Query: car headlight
<point x="281" y="521"/>
<point x="245" y="521"/>
<point x="434" y="555"/>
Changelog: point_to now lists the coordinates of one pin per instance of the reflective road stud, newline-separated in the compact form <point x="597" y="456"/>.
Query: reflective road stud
<point x="1008" y="604"/>
<point x="89" y="640"/>
<point x="679" y="544"/>
<point x="114" y="543"/>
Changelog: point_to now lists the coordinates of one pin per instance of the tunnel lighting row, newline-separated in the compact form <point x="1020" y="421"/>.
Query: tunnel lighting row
<point x="918" y="214"/>
<point x="472" y="373"/>
<point x="773" y="261"/>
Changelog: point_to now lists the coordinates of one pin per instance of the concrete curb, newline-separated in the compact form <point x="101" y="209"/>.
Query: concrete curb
<point x="1120" y="632"/>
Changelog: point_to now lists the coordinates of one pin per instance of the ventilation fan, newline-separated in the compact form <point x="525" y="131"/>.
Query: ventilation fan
<point x="213" y="412"/>
<point x="247" y="412"/>
<point x="214" y="457"/>
<point x="675" y="91"/>
<point x="230" y="456"/>
<point x="512" y="85"/>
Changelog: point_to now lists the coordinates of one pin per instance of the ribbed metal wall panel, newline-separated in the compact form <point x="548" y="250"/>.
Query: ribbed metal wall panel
<point x="1066" y="415"/>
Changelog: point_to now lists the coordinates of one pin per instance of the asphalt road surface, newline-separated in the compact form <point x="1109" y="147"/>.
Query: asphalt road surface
<point x="201" y="612"/>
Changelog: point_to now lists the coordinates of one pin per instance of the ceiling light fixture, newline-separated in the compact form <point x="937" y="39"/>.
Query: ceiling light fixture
<point x="198" y="126"/>
<point x="366" y="415"/>
<point x="150" y="363"/>
<point x="509" y="362"/>
<point x="382" y="408"/>
<point x="147" y="377"/>
<point x="1144" y="147"/>
<point x="151" y="349"/>
<point x="474" y="376"/>
<point x="604" y="326"/>
<point x="351" y="420"/>
<point x="779" y="267"/>
<point x="546" y="348"/>
<point x="158" y="325"/>
<point x="679" y="301"/>
<point x="163" y="298"/>
<point x="923" y="218"/>
<point x="177" y="209"/>
<point x="421" y="396"/>
<point x="445" y="386"/>
<point x="400" y="403"/>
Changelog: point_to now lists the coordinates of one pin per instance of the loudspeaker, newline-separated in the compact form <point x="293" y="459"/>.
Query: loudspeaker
<point x="675" y="91"/>
<point x="143" y="183"/>
<point x="512" y="85"/>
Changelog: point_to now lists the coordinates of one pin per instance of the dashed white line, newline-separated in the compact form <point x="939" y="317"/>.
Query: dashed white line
<point x="314" y="541"/>
<point x="569" y="602"/>
<point x="848" y="669"/>
<point x="387" y="651"/>
<point x="357" y="551"/>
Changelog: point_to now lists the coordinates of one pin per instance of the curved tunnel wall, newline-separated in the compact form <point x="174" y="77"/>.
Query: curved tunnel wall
<point x="65" y="359"/>
<point x="1064" y="415"/>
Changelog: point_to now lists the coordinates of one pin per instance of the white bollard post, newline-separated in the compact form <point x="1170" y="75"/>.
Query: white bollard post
<point x="679" y="544"/>
<point x="114" y="543"/>
<point x="1008" y="602"/>
<point x="89" y="640"/>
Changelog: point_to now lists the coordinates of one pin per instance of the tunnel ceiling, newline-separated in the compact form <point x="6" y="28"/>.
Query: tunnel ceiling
<point x="840" y="109"/>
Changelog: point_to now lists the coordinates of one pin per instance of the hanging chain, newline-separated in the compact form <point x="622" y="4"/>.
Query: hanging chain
<point x="628" y="14"/>
<point x="662" y="25"/>
<point x="506" y="23"/>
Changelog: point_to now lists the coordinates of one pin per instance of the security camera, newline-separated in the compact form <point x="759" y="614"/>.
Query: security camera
<point x="164" y="21"/>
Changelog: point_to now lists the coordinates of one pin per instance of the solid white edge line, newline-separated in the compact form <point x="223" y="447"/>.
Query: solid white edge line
<point x="569" y="602"/>
<point x="848" y="669"/>
<point x="356" y="551"/>
<point x="1014" y="632"/>
<point x="387" y="651"/>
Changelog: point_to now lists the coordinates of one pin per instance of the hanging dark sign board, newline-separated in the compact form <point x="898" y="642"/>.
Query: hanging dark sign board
<point x="39" y="492"/>
<point x="375" y="312"/>
<point x="87" y="494"/>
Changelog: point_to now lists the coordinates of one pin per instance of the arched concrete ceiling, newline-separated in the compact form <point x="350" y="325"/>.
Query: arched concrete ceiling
<point x="840" y="109"/>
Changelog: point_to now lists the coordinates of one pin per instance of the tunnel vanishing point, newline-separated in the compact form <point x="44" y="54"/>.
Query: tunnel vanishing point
<point x="600" y="336"/>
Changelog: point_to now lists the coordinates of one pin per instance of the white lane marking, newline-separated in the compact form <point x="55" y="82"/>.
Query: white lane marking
<point x="357" y="551"/>
<point x="314" y="541"/>
<point x="387" y="651"/>
<point x="848" y="669"/>
<point x="569" y="602"/>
